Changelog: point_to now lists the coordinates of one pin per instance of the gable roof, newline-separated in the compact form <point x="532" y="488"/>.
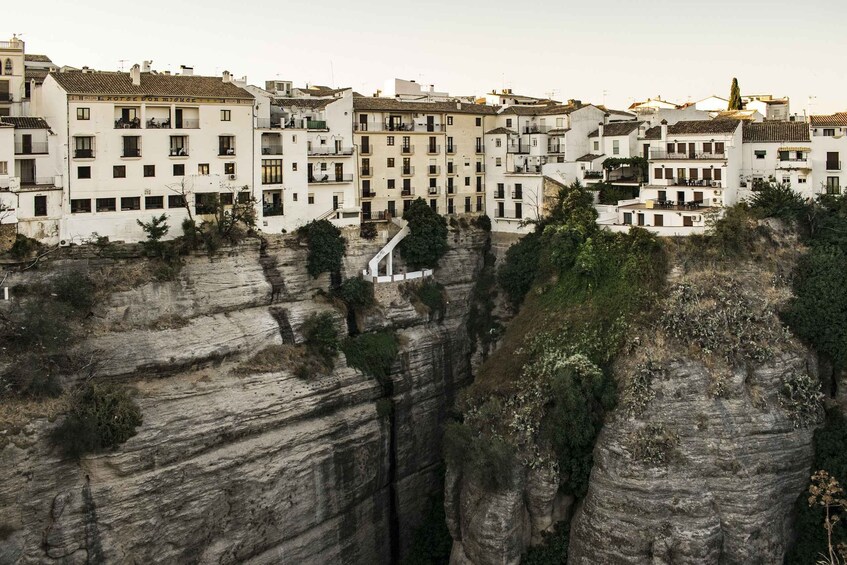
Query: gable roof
<point x="35" y="58"/>
<point x="543" y="110"/>
<point x="588" y="157"/>
<point x="152" y="84"/>
<point x="311" y="103"/>
<point x="654" y="132"/>
<point x="20" y="122"/>
<point x="367" y="103"/>
<point x="775" y="132"/>
<point x="703" y="126"/>
<point x="497" y="131"/>
<point x="614" y="129"/>
<point x="836" y="119"/>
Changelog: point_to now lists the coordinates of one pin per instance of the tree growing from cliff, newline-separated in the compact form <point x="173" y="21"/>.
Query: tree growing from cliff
<point x="734" y="96"/>
<point x="427" y="240"/>
<point x="326" y="247"/>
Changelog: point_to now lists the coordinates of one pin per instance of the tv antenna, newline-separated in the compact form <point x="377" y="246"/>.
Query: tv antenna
<point x="121" y="62"/>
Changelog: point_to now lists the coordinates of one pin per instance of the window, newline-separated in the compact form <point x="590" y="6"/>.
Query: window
<point x="229" y="168"/>
<point x="832" y="161"/>
<point x="106" y="205"/>
<point x="760" y="154"/>
<point x="449" y="120"/>
<point x="83" y="173"/>
<point x="226" y="115"/>
<point x="8" y="70"/>
<point x="829" y="132"/>
<point x="179" y="146"/>
<point x="719" y="148"/>
<point x="627" y="218"/>
<point x="498" y="162"/>
<point x="707" y="147"/>
<point x="658" y="220"/>
<point x="388" y="162"/>
<point x="80" y="206"/>
<point x="390" y="183"/>
<point x="40" y="206"/>
<point x="131" y="203"/>
<point x="479" y="121"/>
<point x="832" y="185"/>
<point x="467" y="204"/>
<point x="294" y="166"/>
<point x="717" y="174"/>
<point x="244" y="197"/>
<point x="4" y="167"/>
<point x="508" y="122"/>
<point x="479" y="203"/>
<point x="467" y="181"/>
<point x="657" y="173"/>
<point x="226" y="145"/>
<point x="596" y="146"/>
<point x="498" y="142"/>
<point x="149" y="170"/>
<point x="518" y="210"/>
<point x="132" y="146"/>
<point x="83" y="113"/>
<point x="801" y="180"/>
<point x="311" y="198"/>
<point x="205" y="202"/>
<point x="294" y="197"/>
<point x="389" y="140"/>
<point x="83" y="147"/>
<point x="203" y="169"/>
<point x="616" y="147"/>
<point x="154" y="202"/>
<point x="225" y="198"/>
<point x="176" y="201"/>
<point x="179" y="170"/>
<point x="119" y="171"/>
<point x="271" y="171"/>
<point x="669" y="174"/>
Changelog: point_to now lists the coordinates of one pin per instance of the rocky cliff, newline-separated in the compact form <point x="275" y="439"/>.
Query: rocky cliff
<point x="233" y="465"/>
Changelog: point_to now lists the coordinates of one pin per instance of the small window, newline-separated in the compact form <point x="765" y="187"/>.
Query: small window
<point x="131" y="203"/>
<point x="658" y="220"/>
<point x="106" y="205"/>
<point x="311" y="198"/>
<point x="467" y="181"/>
<point x="203" y="169"/>
<point x="449" y="120"/>
<point x="596" y="146"/>
<point x="390" y="183"/>
<point x="83" y="173"/>
<point x="244" y="197"/>
<point x="508" y="122"/>
<point x="226" y="115"/>
<point x="83" y="113"/>
<point x="40" y="206"/>
<point x="760" y="154"/>
<point x="616" y="147"/>
<point x="81" y="206"/>
<point x="498" y="142"/>
<point x="149" y="170"/>
<point x="829" y="132"/>
<point x="154" y="202"/>
<point x="118" y="172"/>
<point x="4" y="167"/>
<point x="176" y="201"/>
<point x="179" y="170"/>
<point x="801" y="180"/>
<point x="498" y="162"/>
<point x="389" y="162"/>
<point x="229" y="168"/>
<point x="294" y="196"/>
<point x="294" y="166"/>
<point x="479" y="121"/>
<point x="226" y="198"/>
<point x="389" y="140"/>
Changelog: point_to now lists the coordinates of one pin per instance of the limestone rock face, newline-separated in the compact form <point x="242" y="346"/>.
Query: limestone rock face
<point x="727" y="492"/>
<point x="233" y="466"/>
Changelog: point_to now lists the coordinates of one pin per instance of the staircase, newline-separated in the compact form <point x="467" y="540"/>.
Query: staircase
<point x="387" y="251"/>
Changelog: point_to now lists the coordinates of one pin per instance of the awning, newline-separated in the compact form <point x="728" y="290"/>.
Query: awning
<point x="804" y="149"/>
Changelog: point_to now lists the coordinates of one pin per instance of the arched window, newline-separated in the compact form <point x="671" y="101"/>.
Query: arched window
<point x="8" y="70"/>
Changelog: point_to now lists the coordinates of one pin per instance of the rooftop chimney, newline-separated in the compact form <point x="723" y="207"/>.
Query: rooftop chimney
<point x="186" y="71"/>
<point x="146" y="66"/>
<point x="664" y="130"/>
<point x="135" y="75"/>
<point x="600" y="127"/>
<point x="227" y="77"/>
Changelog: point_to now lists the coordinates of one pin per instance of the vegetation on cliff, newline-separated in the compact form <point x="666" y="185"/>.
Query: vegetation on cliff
<point x="427" y="240"/>
<point x="326" y="247"/>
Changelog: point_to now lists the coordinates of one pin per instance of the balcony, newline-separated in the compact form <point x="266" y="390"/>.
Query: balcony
<point x="499" y="194"/>
<point x="517" y="194"/>
<point x="365" y="171"/>
<point x="686" y="182"/>
<point x="526" y="170"/>
<point x="38" y="181"/>
<point x="324" y="178"/>
<point x="384" y="126"/>
<point x="434" y="190"/>
<point x="83" y="153"/>
<point x="480" y="168"/>
<point x="660" y="154"/>
<point x="433" y="170"/>
<point x="407" y="192"/>
<point x="532" y="128"/>
<point x="271" y="210"/>
<point x="480" y="149"/>
<point x="592" y="174"/>
<point x="330" y="151"/>
<point x="188" y="124"/>
<point x="272" y="149"/>
<point x="268" y="123"/>
<point x="407" y="171"/>
<point x="153" y="123"/>
<point x="35" y="148"/>
<point x="433" y="149"/>
<point x="135" y="123"/>
<point x="131" y="152"/>
<point x="368" y="194"/>
<point x="407" y="150"/>
<point x="833" y="165"/>
<point x="518" y="148"/>
<point x="178" y="152"/>
<point x="316" y="124"/>
<point x="555" y="149"/>
<point x="794" y="164"/>
<point x="451" y="149"/>
<point x="226" y="151"/>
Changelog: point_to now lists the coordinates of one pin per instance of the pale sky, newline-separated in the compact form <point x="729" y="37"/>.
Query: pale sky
<point x="631" y="49"/>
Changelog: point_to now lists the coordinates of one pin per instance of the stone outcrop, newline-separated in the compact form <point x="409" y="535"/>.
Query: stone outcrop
<point x="233" y="466"/>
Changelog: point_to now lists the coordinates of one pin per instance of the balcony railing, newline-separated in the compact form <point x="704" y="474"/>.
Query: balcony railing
<point x="527" y="170"/>
<point x="153" y="123"/>
<point x="517" y="194"/>
<point x="592" y="174"/>
<point x="407" y="150"/>
<point x="226" y="151"/>
<point x="368" y="194"/>
<point x="268" y="123"/>
<point x="330" y="151"/>
<point x="38" y="181"/>
<point x="35" y="148"/>
<point x="433" y="149"/>
<point x="270" y="210"/>
<point x="704" y="183"/>
<point x="480" y="168"/>
<point x="365" y="171"/>
<point x="131" y="152"/>
<point x="272" y="150"/>
<point x="178" y="152"/>
<point x="433" y="170"/>
<point x="833" y="165"/>
<point x="451" y="170"/>
<point x="407" y="191"/>
<point x="188" y="124"/>
<point x="433" y="190"/>
<point x="535" y="129"/>
<point x="697" y="155"/>
<point x="120" y="123"/>
<point x="480" y="149"/>
<point x="407" y="171"/>
<point x="327" y="178"/>
<point x="316" y="124"/>
<point x="555" y="149"/>
<point x="451" y="149"/>
<point x="517" y="148"/>
<point x="499" y="194"/>
<point x="83" y="153"/>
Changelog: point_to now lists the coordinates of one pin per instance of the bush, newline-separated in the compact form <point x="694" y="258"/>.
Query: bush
<point x="482" y="222"/>
<point x="321" y="337"/>
<point x="372" y="353"/>
<point x="520" y="268"/>
<point x="430" y="294"/>
<point x="654" y="445"/>
<point x="40" y="327"/>
<point x="23" y="247"/>
<point x="155" y="229"/>
<point x="801" y="397"/>
<point x="356" y="293"/>
<point x="776" y="200"/>
<point x="101" y="416"/>
<point x="488" y="461"/>
<point x="368" y="231"/>
<point x="735" y="233"/>
<point x="76" y="290"/>
<point x="326" y="247"/>
<point x="427" y="240"/>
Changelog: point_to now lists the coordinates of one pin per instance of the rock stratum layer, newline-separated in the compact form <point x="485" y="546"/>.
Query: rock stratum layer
<point x="235" y="467"/>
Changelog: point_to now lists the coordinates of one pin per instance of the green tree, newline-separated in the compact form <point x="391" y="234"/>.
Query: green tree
<point x="734" y="96"/>
<point x="155" y="229"/>
<point x="326" y="247"/>
<point x="427" y="240"/>
<point x="520" y="268"/>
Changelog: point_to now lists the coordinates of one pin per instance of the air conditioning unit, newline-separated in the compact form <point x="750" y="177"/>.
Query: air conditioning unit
<point x="64" y="243"/>
<point x="231" y="177"/>
<point x="718" y="192"/>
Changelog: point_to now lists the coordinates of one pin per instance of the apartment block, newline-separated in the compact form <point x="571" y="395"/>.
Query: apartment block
<point x="829" y="145"/>
<point x="778" y="152"/>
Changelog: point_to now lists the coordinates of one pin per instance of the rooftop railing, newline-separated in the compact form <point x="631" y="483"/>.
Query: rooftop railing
<point x="697" y="155"/>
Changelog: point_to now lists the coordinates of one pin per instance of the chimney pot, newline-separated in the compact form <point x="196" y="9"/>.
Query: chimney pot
<point x="227" y="77"/>
<point x="135" y="75"/>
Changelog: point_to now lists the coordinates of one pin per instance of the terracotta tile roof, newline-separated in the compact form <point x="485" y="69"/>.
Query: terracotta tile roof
<point x="542" y="110"/>
<point x="316" y="90"/>
<point x="836" y="119"/>
<point x="775" y="132"/>
<point x="616" y="128"/>
<point x="37" y="58"/>
<point x="374" y="104"/>
<point x="25" y="122"/>
<point x="558" y="131"/>
<point x="311" y="103"/>
<point x="703" y="126"/>
<point x="5" y="125"/>
<point x="654" y="132"/>
<point x="152" y="84"/>
<point x="497" y="131"/>
<point x="588" y="157"/>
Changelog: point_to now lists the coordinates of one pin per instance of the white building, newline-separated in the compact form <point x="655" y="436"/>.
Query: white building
<point x="12" y="78"/>
<point x="136" y="145"/>
<point x="712" y="104"/>
<point x="777" y="152"/>
<point x="411" y="90"/>
<point x="829" y="144"/>
<point x="771" y="108"/>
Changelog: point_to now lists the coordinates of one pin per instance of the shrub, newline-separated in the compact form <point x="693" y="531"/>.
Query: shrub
<point x="610" y="194"/>
<point x="776" y="200"/>
<point x="356" y="293"/>
<point x="36" y="377"/>
<point x="321" y="337"/>
<point x="488" y="461"/>
<point x="654" y="444"/>
<point x="74" y="289"/>
<point x="372" y="353"/>
<point x="427" y="240"/>
<point x="23" y="247"/>
<point x="326" y="247"/>
<point x="734" y="233"/>
<point x="430" y="294"/>
<point x="155" y="229"/>
<point x="483" y="222"/>
<point x="520" y="268"/>
<point x="639" y="389"/>
<point x="801" y="397"/>
<point x="368" y="231"/>
<point x="40" y="327"/>
<point x="101" y="416"/>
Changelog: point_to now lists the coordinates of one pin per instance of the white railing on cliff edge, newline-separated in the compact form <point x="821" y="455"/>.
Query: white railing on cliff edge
<point x="387" y="252"/>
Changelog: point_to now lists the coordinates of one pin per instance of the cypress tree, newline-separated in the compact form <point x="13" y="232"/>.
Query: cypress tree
<point x="734" y="96"/>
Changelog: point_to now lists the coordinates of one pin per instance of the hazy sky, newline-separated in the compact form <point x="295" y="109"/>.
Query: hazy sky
<point x="629" y="49"/>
